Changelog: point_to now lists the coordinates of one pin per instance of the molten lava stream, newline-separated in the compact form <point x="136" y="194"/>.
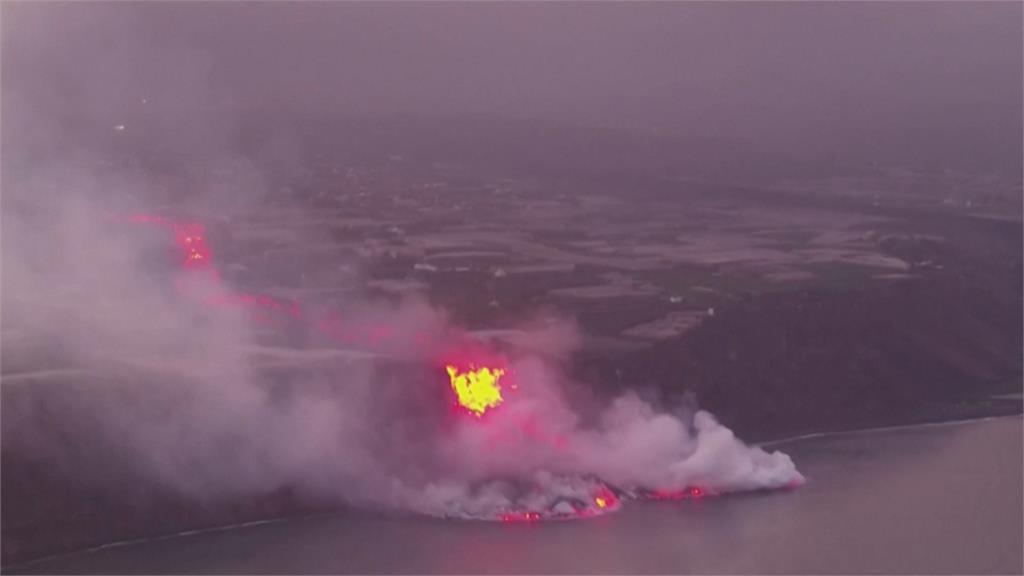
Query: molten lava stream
<point x="476" y="389"/>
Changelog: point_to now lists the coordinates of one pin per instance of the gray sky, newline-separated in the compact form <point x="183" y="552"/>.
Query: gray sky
<point x="805" y="76"/>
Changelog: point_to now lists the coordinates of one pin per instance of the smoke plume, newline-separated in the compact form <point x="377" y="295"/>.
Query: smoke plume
<point x="119" y="367"/>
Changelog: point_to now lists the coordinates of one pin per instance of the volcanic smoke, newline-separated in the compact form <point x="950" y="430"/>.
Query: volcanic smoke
<point x="169" y="393"/>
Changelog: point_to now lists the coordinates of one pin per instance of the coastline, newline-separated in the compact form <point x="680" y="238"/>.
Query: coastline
<point x="774" y="444"/>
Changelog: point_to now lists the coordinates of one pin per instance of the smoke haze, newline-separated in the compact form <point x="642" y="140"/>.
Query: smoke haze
<point x="170" y="393"/>
<point x="932" y="84"/>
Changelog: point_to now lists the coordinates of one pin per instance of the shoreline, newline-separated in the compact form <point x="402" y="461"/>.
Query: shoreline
<point x="238" y="525"/>
<point x="987" y="408"/>
<point x="881" y="429"/>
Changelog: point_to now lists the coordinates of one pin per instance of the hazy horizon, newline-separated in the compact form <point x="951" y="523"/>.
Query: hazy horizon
<point x="890" y="82"/>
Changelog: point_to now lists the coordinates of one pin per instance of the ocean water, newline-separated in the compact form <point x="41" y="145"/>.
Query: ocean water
<point x="929" y="499"/>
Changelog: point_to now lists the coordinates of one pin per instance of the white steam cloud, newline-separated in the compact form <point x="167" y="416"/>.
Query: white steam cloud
<point x="109" y="369"/>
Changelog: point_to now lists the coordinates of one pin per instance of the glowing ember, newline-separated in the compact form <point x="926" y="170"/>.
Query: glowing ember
<point x="191" y="241"/>
<point x="684" y="494"/>
<point x="605" y="499"/>
<point x="190" y="238"/>
<point x="521" y="517"/>
<point x="197" y="256"/>
<point x="476" y="389"/>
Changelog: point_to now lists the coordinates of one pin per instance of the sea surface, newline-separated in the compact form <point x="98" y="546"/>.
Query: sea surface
<point x="926" y="499"/>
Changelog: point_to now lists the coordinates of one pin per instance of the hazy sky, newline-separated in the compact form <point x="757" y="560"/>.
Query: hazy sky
<point x="802" y="75"/>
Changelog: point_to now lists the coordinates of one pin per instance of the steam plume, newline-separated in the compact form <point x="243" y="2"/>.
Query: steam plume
<point x="167" y="392"/>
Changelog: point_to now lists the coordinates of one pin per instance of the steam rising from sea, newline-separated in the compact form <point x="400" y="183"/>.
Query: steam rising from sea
<point x="168" y="393"/>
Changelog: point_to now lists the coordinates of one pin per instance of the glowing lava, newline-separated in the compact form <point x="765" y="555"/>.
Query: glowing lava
<point x="605" y="499"/>
<point x="190" y="238"/>
<point x="521" y="517"/>
<point x="692" y="492"/>
<point x="192" y="242"/>
<point x="476" y="389"/>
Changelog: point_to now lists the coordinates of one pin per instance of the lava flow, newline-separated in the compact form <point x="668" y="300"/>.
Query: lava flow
<point x="196" y="257"/>
<point x="476" y="389"/>
<point x="476" y="384"/>
<point x="692" y="492"/>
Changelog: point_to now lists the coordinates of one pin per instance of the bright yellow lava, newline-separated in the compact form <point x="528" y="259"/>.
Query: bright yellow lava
<point x="601" y="502"/>
<point x="477" y="389"/>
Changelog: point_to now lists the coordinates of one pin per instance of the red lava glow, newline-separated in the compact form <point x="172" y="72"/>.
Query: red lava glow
<point x="191" y="241"/>
<point x="602" y="500"/>
<point x="197" y="256"/>
<point x="521" y="517"/>
<point x="189" y="237"/>
<point x="476" y="383"/>
<point x="684" y="494"/>
<point x="605" y="499"/>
